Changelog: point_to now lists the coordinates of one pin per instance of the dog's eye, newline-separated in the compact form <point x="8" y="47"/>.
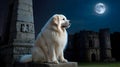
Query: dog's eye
<point x="63" y="18"/>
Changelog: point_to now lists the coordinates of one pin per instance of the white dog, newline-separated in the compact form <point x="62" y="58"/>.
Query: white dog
<point x="50" y="42"/>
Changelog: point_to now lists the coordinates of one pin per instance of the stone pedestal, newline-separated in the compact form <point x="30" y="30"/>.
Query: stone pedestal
<point x="69" y="64"/>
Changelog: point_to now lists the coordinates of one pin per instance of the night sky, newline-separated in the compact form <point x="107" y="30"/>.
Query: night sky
<point x="80" y="12"/>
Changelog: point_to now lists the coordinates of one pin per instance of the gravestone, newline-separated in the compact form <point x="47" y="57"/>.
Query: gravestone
<point x="22" y="34"/>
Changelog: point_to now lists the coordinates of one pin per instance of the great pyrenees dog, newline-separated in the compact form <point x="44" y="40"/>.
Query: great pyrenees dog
<point x="50" y="42"/>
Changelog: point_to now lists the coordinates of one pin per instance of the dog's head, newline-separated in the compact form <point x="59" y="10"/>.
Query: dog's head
<point x="61" y="21"/>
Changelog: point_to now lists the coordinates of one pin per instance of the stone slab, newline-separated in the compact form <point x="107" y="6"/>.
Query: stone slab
<point x="69" y="64"/>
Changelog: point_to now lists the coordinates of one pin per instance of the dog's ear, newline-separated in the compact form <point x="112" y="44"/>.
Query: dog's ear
<point x="55" y="19"/>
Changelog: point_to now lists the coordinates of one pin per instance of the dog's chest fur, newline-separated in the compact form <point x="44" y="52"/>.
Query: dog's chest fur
<point x="62" y="38"/>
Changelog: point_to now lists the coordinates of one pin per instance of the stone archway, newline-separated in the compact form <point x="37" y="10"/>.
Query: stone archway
<point x="93" y="57"/>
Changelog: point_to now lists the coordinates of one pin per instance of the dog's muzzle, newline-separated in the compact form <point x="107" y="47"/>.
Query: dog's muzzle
<point x="67" y="24"/>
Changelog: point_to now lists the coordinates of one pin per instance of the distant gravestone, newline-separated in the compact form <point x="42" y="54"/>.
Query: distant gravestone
<point x="22" y="34"/>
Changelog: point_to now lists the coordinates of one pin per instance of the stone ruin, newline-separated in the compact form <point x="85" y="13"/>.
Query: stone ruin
<point x="90" y="46"/>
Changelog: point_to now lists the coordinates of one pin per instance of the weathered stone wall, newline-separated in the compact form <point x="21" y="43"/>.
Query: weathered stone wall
<point x="22" y="34"/>
<point x="105" y="44"/>
<point x="92" y="46"/>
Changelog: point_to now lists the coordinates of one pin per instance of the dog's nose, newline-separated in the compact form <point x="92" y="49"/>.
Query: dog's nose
<point x="68" y="20"/>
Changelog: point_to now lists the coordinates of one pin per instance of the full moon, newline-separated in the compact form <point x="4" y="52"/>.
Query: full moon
<point x="100" y="8"/>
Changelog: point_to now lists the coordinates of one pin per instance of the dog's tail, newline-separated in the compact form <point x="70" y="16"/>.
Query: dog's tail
<point x="26" y="58"/>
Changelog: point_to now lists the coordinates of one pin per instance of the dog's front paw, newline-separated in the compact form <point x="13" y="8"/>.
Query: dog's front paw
<point x="63" y="61"/>
<point x="54" y="62"/>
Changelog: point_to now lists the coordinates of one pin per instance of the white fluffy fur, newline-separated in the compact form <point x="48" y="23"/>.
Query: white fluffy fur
<point x="50" y="42"/>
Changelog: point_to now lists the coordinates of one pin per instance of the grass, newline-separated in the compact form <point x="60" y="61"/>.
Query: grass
<point x="99" y="64"/>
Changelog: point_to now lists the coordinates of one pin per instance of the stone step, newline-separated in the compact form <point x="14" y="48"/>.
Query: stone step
<point x="69" y="64"/>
